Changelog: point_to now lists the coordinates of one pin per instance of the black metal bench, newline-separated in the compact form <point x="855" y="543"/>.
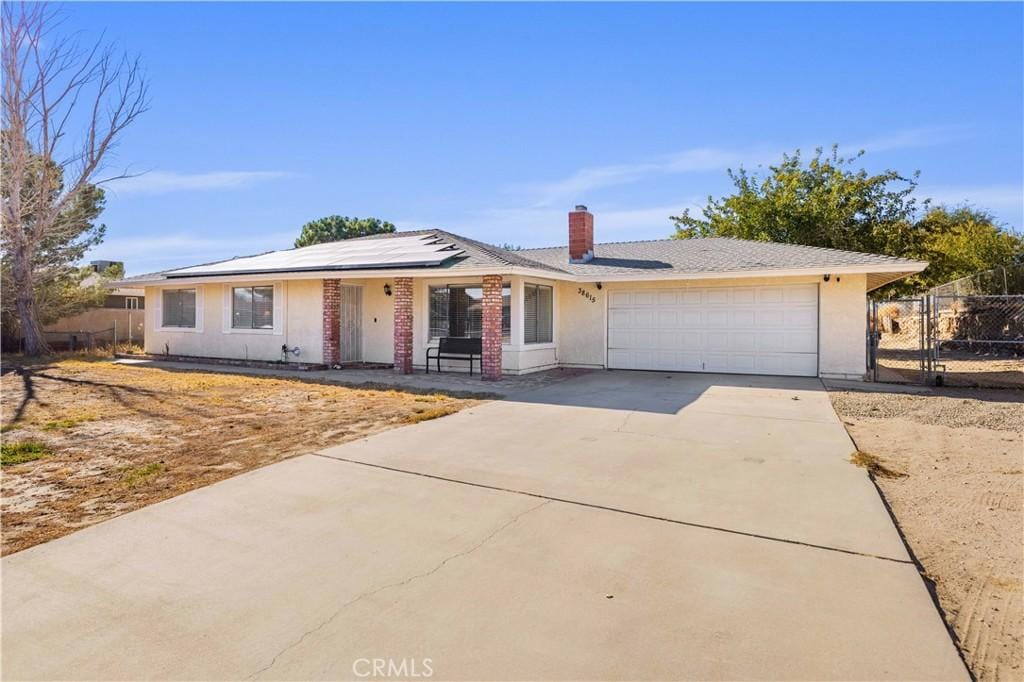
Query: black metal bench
<point x="456" y="348"/>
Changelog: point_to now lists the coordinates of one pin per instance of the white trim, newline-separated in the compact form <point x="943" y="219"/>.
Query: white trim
<point x="227" y="310"/>
<point x="526" y="347"/>
<point x="431" y="342"/>
<point x="518" y="312"/>
<point x="506" y="271"/>
<point x="159" y="322"/>
<point x="906" y="268"/>
<point x="554" y="315"/>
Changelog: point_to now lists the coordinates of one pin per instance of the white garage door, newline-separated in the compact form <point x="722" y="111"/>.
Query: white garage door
<point x="745" y="330"/>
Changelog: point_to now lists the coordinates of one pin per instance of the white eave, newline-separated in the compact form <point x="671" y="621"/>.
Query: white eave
<point x="878" y="274"/>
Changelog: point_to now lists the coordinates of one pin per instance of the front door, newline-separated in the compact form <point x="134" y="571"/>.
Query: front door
<point x="351" y="323"/>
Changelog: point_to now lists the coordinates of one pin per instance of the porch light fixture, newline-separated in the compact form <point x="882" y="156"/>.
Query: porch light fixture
<point x="827" y="277"/>
<point x="387" y="289"/>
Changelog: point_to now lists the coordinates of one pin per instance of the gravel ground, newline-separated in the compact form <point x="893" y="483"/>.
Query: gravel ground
<point x="997" y="409"/>
<point x="954" y="477"/>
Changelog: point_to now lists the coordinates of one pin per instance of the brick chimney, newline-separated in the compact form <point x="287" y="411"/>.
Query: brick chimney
<point x="581" y="235"/>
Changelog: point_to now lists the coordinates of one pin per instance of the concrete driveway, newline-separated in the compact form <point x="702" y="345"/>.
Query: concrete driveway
<point x="615" y="526"/>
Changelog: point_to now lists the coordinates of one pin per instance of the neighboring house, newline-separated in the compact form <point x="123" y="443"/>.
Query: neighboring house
<point x="122" y="309"/>
<point x="697" y="305"/>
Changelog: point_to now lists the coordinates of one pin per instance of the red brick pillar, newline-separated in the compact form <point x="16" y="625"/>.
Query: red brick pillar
<point x="403" y="324"/>
<point x="332" y="321"/>
<point x="492" y="328"/>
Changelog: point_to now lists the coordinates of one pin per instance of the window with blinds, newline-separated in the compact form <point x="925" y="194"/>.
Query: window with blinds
<point x="457" y="310"/>
<point x="179" y="308"/>
<point x="252" y="307"/>
<point x="537" y="313"/>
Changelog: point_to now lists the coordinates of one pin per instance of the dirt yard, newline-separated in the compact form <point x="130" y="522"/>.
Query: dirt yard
<point x="951" y="465"/>
<point x="84" y="441"/>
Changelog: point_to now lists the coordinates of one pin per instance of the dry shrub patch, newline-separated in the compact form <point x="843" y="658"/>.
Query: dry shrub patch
<point x="421" y="415"/>
<point x="120" y="437"/>
<point x="875" y="465"/>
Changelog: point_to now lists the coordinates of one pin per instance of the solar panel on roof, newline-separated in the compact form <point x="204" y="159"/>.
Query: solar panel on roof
<point x="341" y="255"/>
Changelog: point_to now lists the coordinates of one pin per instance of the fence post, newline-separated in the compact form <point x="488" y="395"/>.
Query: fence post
<point x="114" y="349"/>
<point x="928" y="333"/>
<point x="922" y="336"/>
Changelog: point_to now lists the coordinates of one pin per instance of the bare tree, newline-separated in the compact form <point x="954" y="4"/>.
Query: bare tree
<point x="52" y="86"/>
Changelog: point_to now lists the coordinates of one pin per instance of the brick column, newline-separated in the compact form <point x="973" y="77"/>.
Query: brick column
<point x="492" y="328"/>
<point x="332" y="321"/>
<point x="403" y="324"/>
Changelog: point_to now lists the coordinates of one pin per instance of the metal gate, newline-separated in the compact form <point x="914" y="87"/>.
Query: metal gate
<point x="947" y="339"/>
<point x="897" y="340"/>
<point x="351" y="320"/>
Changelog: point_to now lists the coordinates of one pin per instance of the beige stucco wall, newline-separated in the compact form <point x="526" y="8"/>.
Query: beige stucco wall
<point x="842" y="319"/>
<point x="580" y="323"/>
<point x="842" y="332"/>
<point x="301" y="326"/>
<point x="102" y="319"/>
<point x="378" y="322"/>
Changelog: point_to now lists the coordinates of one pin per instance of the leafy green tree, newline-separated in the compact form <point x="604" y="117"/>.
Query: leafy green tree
<point x="963" y="241"/>
<point x="826" y="202"/>
<point x="830" y="202"/>
<point x="336" y="227"/>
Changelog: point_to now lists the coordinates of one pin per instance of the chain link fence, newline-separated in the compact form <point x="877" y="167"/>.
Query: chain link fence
<point x="1004" y="281"/>
<point x="956" y="340"/>
<point x="897" y="333"/>
<point x="978" y="340"/>
<point x="81" y="340"/>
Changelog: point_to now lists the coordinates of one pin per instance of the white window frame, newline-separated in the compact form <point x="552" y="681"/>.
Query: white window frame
<point x="532" y="345"/>
<point x="159" y="311"/>
<point x="132" y="302"/>
<point x="227" y="309"/>
<point x="433" y="341"/>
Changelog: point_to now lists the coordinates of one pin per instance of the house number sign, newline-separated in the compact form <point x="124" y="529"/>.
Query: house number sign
<point x="586" y="294"/>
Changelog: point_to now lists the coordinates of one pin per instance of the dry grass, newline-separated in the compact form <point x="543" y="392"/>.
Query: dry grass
<point x="875" y="465"/>
<point x="422" y="415"/>
<point x="120" y="437"/>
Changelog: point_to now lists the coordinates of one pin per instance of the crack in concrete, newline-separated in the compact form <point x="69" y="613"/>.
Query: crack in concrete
<point x="400" y="583"/>
<point x="642" y="515"/>
<point x="625" y="420"/>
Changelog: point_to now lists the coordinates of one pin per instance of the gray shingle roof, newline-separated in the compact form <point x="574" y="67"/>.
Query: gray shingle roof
<point x="665" y="257"/>
<point x="710" y="254"/>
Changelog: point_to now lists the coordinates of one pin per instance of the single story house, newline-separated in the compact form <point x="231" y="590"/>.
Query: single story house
<point x="696" y="305"/>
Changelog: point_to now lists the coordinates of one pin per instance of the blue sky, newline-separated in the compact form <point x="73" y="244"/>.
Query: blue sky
<point x="493" y="120"/>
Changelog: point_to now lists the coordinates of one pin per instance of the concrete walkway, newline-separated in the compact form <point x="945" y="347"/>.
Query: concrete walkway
<point x="614" y="526"/>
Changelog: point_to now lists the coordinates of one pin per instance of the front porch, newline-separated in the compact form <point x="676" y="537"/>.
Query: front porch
<point x="395" y="321"/>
